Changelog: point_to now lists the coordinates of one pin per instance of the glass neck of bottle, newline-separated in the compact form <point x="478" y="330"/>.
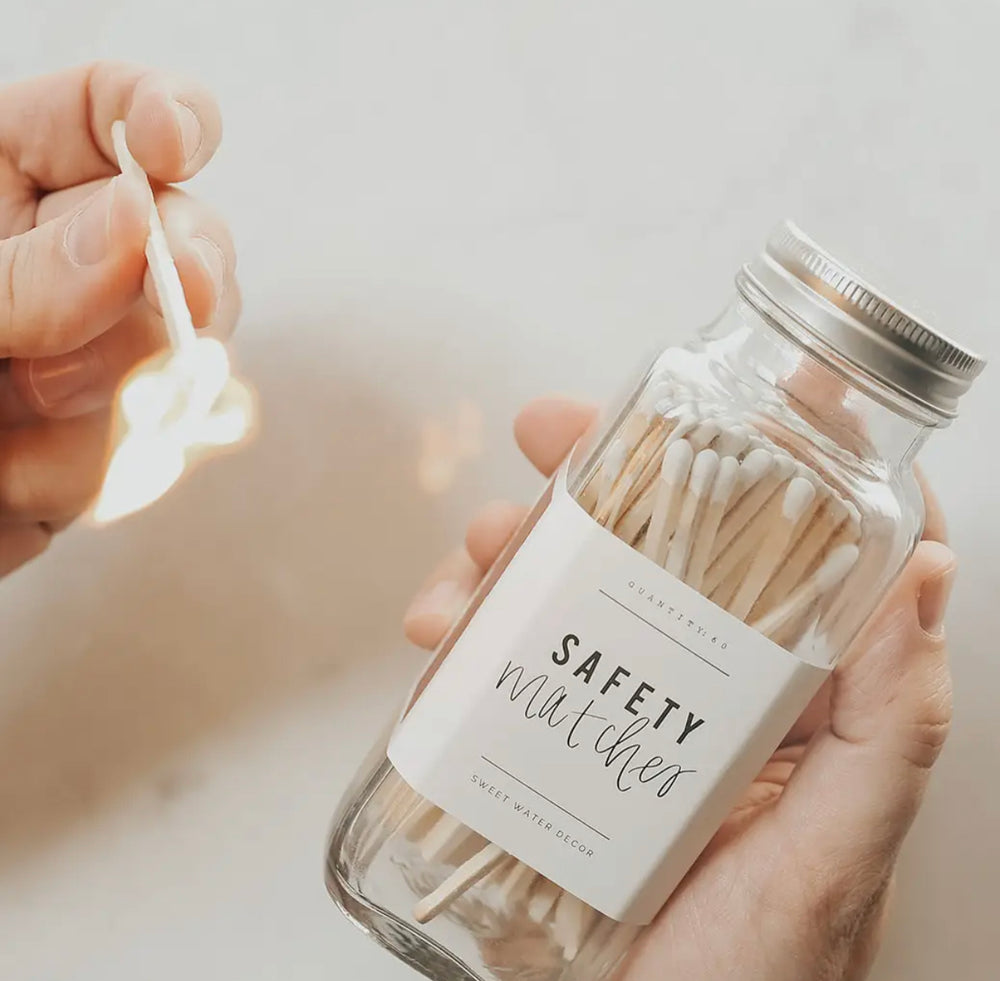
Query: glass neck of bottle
<point x="825" y="394"/>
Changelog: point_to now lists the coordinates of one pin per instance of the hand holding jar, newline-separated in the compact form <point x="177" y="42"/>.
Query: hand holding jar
<point x="683" y="723"/>
<point x="796" y="883"/>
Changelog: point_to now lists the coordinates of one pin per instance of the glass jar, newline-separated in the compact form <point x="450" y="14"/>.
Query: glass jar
<point x="670" y="605"/>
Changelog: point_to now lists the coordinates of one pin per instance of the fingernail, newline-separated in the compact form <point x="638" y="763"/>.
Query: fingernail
<point x="190" y="129"/>
<point x="933" y="599"/>
<point x="88" y="235"/>
<point x="57" y="379"/>
<point x="444" y="599"/>
<point x="210" y="256"/>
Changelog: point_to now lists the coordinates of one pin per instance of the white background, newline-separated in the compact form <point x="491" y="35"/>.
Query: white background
<point x="441" y="203"/>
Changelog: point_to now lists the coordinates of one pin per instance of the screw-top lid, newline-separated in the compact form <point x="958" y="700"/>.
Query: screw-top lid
<point x="859" y="322"/>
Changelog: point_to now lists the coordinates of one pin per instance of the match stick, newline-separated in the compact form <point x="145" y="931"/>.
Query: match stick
<point x="732" y="440"/>
<point x="448" y="840"/>
<point x="461" y="880"/>
<point x="699" y="486"/>
<point x="830" y="574"/>
<point x="614" y="460"/>
<point x="722" y="595"/>
<point x="703" y="435"/>
<point x="573" y="919"/>
<point x="173" y="305"/>
<point x="763" y="478"/>
<point x="419" y="821"/>
<point x="797" y="499"/>
<point x="656" y="393"/>
<point x="722" y="490"/>
<point x="794" y="568"/>
<point x="517" y="884"/>
<point x="674" y="471"/>
<point x="752" y="532"/>
<point x="542" y="900"/>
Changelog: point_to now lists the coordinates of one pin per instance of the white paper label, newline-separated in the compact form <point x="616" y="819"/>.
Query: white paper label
<point x="598" y="718"/>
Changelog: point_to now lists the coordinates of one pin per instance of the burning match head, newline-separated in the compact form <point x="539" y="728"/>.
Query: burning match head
<point x="174" y="408"/>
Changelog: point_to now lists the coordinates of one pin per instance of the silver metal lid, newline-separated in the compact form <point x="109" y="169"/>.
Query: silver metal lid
<point x="860" y="323"/>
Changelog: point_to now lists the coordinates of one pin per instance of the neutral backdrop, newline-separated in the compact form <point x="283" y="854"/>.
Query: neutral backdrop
<point x="443" y="208"/>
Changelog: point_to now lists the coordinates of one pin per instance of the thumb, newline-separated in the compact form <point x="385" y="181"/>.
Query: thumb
<point x="71" y="278"/>
<point x="856" y="791"/>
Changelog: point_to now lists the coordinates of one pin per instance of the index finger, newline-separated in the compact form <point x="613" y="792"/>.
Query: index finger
<point x="56" y="129"/>
<point x="546" y="429"/>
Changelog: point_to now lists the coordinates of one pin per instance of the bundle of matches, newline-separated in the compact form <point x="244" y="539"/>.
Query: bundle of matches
<point x="720" y="507"/>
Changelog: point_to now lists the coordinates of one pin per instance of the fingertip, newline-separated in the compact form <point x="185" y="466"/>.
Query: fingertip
<point x="173" y="127"/>
<point x="424" y="631"/>
<point x="433" y="611"/>
<point x="546" y="429"/>
<point x="491" y="529"/>
<point x="938" y="566"/>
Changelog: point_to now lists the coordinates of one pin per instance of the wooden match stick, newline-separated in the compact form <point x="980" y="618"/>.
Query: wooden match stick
<point x="542" y="900"/>
<point x="732" y="440"/>
<point x="831" y="573"/>
<point x="449" y="840"/>
<point x="656" y="394"/>
<point x="796" y="501"/>
<point x="722" y="490"/>
<point x="173" y="305"/>
<point x="803" y="554"/>
<point x="753" y="530"/>
<point x="763" y="479"/>
<point x="703" y="435"/>
<point x="460" y="881"/>
<point x="724" y="592"/>
<point x="699" y="486"/>
<point x="517" y="884"/>
<point x="573" y="919"/>
<point x="677" y="461"/>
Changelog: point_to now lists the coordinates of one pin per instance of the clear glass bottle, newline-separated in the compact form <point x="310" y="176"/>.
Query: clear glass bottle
<point x="766" y="466"/>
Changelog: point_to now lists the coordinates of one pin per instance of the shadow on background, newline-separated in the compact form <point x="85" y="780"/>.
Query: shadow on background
<point x="267" y="570"/>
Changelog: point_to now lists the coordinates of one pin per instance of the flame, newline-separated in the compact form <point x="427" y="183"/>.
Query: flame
<point x="173" y="410"/>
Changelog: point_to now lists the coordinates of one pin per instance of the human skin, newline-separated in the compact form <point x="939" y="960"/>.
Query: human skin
<point x="796" y="884"/>
<point x="77" y="306"/>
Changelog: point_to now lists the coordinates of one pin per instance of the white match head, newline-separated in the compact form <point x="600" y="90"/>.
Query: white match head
<point x="733" y="439"/>
<point x="726" y="478"/>
<point x="657" y="393"/>
<point x="669" y="407"/>
<point x="838" y="563"/>
<point x="784" y="465"/>
<point x="798" y="497"/>
<point x="853" y="519"/>
<point x="836" y="507"/>
<point x="755" y="465"/>
<point x="703" y="471"/>
<point x="804" y="470"/>
<point x="677" y="461"/>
